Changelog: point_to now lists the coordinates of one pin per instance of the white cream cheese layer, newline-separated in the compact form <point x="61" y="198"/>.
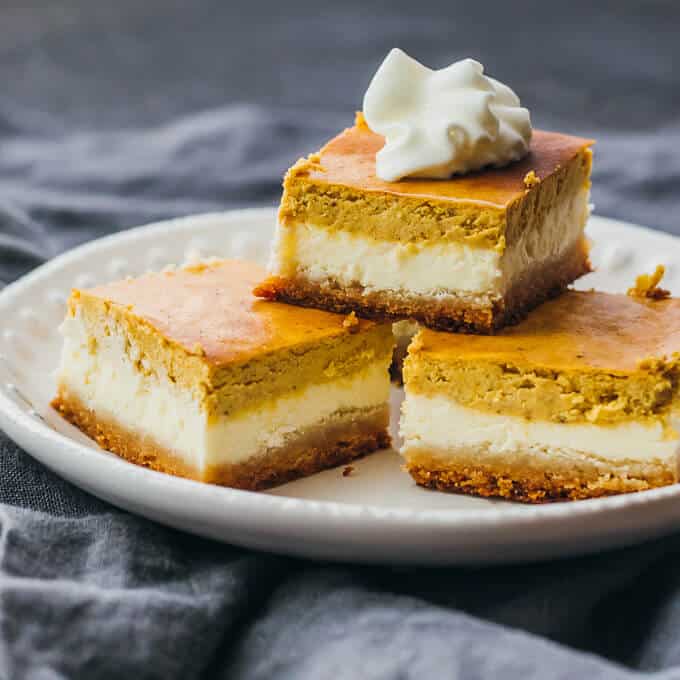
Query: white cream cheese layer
<point x="432" y="269"/>
<point x="438" y="422"/>
<point x="425" y="269"/>
<point x="107" y="382"/>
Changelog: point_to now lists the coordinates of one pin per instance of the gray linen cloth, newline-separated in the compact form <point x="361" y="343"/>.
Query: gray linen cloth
<point x="113" y="114"/>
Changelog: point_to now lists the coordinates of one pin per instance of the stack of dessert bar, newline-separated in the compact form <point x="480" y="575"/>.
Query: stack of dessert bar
<point x="515" y="387"/>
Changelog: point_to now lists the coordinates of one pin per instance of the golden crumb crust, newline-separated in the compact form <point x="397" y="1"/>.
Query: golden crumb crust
<point x="582" y="357"/>
<point x="647" y="285"/>
<point x="472" y="473"/>
<point x="203" y="327"/>
<point x="336" y="188"/>
<point x="322" y="448"/>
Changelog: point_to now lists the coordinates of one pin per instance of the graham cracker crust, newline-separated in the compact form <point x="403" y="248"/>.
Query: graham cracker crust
<point x="470" y="474"/>
<point x="539" y="283"/>
<point x="318" y="449"/>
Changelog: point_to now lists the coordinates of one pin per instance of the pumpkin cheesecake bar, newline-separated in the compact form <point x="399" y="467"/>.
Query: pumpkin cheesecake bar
<point x="580" y="400"/>
<point x="187" y="373"/>
<point x="473" y="252"/>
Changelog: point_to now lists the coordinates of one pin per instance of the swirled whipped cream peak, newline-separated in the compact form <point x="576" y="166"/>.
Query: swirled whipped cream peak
<point x="438" y="123"/>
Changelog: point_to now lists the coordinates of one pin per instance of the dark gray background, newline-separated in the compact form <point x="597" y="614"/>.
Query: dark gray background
<point x="112" y="114"/>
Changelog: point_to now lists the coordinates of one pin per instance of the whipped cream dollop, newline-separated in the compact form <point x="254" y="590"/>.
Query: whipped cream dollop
<point x="439" y="123"/>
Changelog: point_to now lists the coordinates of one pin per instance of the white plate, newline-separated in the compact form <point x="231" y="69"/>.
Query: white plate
<point x="375" y="515"/>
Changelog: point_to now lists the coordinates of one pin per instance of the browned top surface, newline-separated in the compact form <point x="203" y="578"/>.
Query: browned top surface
<point x="577" y="331"/>
<point x="349" y="159"/>
<point x="213" y="306"/>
